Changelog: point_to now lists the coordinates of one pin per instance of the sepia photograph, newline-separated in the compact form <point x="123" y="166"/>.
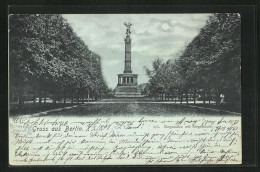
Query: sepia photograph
<point x="124" y="89"/>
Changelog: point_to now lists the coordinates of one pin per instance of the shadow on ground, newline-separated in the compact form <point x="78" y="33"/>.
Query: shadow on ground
<point x="148" y="109"/>
<point x="126" y="106"/>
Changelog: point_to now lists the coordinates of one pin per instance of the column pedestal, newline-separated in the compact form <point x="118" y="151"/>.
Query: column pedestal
<point x="128" y="87"/>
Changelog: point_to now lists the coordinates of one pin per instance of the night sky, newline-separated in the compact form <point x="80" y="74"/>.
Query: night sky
<point x="153" y="36"/>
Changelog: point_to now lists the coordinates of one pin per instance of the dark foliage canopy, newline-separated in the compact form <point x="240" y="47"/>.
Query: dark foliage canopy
<point x="47" y="57"/>
<point x="209" y="63"/>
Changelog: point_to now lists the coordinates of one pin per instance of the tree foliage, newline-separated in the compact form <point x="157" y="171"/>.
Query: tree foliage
<point x="209" y="65"/>
<point x="46" y="58"/>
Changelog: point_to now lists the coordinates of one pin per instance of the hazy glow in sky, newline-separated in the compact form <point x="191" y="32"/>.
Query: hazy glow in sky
<point x="153" y="36"/>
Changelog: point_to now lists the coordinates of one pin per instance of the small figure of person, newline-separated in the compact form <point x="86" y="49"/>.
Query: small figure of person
<point x="222" y="96"/>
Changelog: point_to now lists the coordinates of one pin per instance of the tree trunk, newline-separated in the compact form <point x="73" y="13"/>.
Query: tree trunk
<point x="88" y="96"/>
<point x="181" y="97"/>
<point x="204" y="96"/>
<point x="186" y="94"/>
<point x="83" y="95"/>
<point x="44" y="97"/>
<point x="77" y="95"/>
<point x="40" y="97"/>
<point x="34" y="97"/>
<point x="217" y="97"/>
<point x="209" y="95"/>
<point x="194" y="97"/>
<point x="21" y="100"/>
<point x="54" y="98"/>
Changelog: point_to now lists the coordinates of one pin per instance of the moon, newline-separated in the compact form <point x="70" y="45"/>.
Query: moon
<point x="165" y="26"/>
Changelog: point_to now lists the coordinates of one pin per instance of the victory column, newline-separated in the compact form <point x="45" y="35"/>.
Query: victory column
<point x="127" y="82"/>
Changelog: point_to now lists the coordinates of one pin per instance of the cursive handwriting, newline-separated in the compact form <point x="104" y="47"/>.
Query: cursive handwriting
<point x="124" y="140"/>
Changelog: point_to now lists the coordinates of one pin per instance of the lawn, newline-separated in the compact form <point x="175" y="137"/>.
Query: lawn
<point x="130" y="109"/>
<point x="117" y="107"/>
<point x="30" y="108"/>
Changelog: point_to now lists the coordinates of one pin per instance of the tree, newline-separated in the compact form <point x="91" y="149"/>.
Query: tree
<point x="209" y="64"/>
<point x="48" y="58"/>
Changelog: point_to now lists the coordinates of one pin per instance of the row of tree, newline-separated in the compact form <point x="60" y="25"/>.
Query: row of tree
<point x="48" y="60"/>
<point x="208" y="67"/>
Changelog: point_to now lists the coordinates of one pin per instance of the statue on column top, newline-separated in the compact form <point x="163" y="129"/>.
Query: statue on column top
<point x="128" y="25"/>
